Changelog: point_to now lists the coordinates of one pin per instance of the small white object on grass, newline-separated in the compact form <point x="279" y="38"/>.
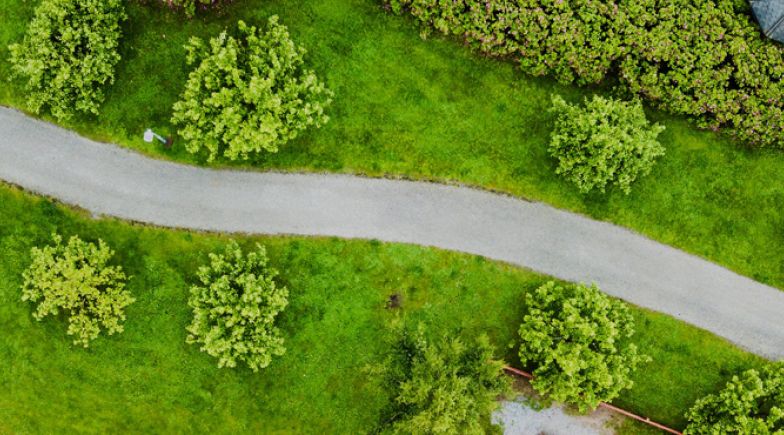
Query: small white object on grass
<point x="149" y="135"/>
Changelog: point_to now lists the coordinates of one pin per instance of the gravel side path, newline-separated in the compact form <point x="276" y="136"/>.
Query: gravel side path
<point x="517" y="418"/>
<point x="109" y="180"/>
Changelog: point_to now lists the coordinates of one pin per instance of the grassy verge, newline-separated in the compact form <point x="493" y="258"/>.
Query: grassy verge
<point x="434" y="110"/>
<point x="149" y="380"/>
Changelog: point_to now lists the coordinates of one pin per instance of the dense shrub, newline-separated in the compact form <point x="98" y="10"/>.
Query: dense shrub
<point x="235" y="306"/>
<point x="68" y="54"/>
<point x="752" y="403"/>
<point x="248" y="93"/>
<point x="445" y="386"/>
<point x="707" y="59"/>
<point x="77" y="280"/>
<point x="605" y="142"/>
<point x="574" y="338"/>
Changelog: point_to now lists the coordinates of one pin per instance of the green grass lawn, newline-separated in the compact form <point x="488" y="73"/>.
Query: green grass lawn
<point x="403" y="107"/>
<point x="336" y="327"/>
<point x="432" y="109"/>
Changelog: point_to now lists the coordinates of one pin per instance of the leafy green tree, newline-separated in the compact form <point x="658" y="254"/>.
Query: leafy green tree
<point x="235" y="307"/>
<point x="752" y="403"/>
<point x="446" y="386"/>
<point x="248" y="94"/>
<point x="573" y="337"/>
<point x="77" y="279"/>
<point x="606" y="142"/>
<point x="68" y="54"/>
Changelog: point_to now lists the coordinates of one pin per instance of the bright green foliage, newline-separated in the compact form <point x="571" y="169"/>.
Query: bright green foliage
<point x="446" y="387"/>
<point x="235" y="307"/>
<point x="68" y="53"/>
<point x="707" y="59"/>
<point x="606" y="142"/>
<point x="249" y="93"/>
<point x="76" y="279"/>
<point x="752" y="403"/>
<point x="573" y="337"/>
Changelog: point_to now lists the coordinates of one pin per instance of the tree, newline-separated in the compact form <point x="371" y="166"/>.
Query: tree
<point x="68" y="54"/>
<point x="752" y="403"/>
<point x="248" y="94"/>
<point x="77" y="279"/>
<point x="573" y="337"/>
<point x="606" y="142"/>
<point x="235" y="307"/>
<point x="445" y="386"/>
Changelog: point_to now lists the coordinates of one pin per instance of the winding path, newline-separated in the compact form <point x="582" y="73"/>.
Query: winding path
<point x="109" y="180"/>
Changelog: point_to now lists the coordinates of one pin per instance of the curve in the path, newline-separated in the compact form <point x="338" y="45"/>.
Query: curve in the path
<point x="109" y="180"/>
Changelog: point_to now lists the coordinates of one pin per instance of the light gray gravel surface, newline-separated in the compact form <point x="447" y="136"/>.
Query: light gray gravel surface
<point x="517" y="418"/>
<point x="106" y="179"/>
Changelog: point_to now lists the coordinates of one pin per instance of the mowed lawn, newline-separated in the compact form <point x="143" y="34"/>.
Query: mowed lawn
<point x="337" y="330"/>
<point x="432" y="109"/>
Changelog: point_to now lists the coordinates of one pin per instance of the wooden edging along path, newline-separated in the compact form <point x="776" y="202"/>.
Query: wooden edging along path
<point x="625" y="413"/>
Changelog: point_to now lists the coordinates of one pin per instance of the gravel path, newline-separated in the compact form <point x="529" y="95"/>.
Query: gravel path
<point x="109" y="180"/>
<point x="518" y="418"/>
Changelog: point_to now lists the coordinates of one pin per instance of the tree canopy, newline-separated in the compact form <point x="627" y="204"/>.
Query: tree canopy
<point x="574" y="338"/>
<point x="77" y="279"/>
<point x="68" y="55"/>
<point x="751" y="403"/>
<point x="235" y="305"/>
<point x="445" y="386"/>
<point x="249" y="92"/>
<point x="605" y="142"/>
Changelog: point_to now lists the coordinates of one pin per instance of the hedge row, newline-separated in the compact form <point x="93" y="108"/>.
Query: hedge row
<point x="705" y="59"/>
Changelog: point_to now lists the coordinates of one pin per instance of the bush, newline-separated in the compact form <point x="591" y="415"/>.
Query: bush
<point x="235" y="307"/>
<point x="77" y="279"/>
<point x="752" y="403"/>
<point x="445" y="386"/>
<point x="606" y="142"/>
<point x="248" y="93"/>
<point x="68" y="54"/>
<point x="706" y="59"/>
<point x="574" y="338"/>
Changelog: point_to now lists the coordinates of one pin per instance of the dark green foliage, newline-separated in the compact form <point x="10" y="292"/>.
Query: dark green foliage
<point x="445" y="386"/>
<point x="68" y="55"/>
<point x="752" y="403"/>
<point x="606" y="141"/>
<point x="575" y="339"/>
<point x="705" y="59"/>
